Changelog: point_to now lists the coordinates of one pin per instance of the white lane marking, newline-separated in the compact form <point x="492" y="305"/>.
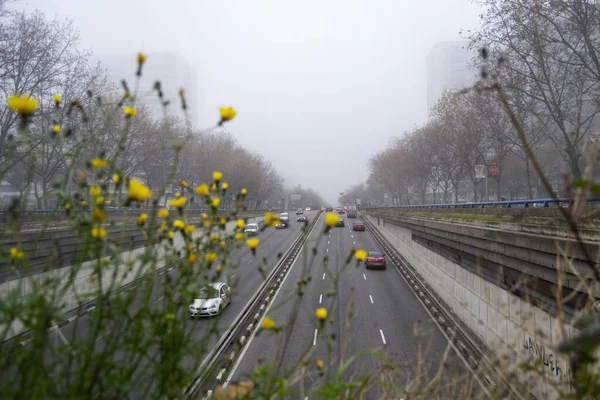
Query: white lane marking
<point x="364" y="276"/>
<point x="328" y="242"/>
<point x="249" y="261"/>
<point x="328" y="249"/>
<point x="352" y="236"/>
<point x="315" y="339"/>
<point x="382" y="337"/>
<point x="233" y="276"/>
<point x="323" y="276"/>
<point x="371" y="297"/>
<point x="320" y="298"/>
<point x="354" y="242"/>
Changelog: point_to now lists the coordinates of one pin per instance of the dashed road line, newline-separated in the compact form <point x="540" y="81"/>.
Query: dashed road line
<point x="315" y="339"/>
<point x="323" y="275"/>
<point x="371" y="297"/>
<point x="320" y="298"/>
<point x="382" y="337"/>
<point x="364" y="277"/>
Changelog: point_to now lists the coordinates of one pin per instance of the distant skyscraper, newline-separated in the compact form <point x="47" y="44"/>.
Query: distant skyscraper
<point x="171" y="69"/>
<point x="447" y="69"/>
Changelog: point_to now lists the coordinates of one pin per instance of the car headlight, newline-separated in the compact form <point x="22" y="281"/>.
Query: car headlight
<point x="213" y="306"/>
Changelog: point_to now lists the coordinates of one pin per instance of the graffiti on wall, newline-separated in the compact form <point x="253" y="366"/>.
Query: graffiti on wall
<point x="549" y="360"/>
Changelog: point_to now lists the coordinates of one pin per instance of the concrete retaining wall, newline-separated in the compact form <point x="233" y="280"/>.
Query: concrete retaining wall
<point x="506" y="323"/>
<point x="84" y="286"/>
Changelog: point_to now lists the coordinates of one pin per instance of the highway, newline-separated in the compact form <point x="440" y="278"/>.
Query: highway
<point x="367" y="310"/>
<point x="245" y="279"/>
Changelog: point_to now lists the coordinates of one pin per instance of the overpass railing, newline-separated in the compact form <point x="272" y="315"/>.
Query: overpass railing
<point x="535" y="203"/>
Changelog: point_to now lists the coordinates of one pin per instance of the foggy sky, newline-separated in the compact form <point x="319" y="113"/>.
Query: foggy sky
<point x="319" y="85"/>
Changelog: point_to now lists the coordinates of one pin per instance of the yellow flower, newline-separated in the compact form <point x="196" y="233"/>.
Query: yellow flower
<point x="55" y="128"/>
<point x="98" y="163"/>
<point x="203" y="215"/>
<point x="244" y="191"/>
<point x="16" y="253"/>
<point x="23" y="105"/>
<point x="167" y="318"/>
<point x="177" y="194"/>
<point x="178" y="224"/>
<point x="202" y="190"/>
<point x="213" y="187"/>
<point x="223" y="243"/>
<point x="137" y="191"/>
<point x="218" y="268"/>
<point x="100" y="201"/>
<point x="68" y="206"/>
<point x="252" y="243"/>
<point x="321" y="314"/>
<point x="227" y="113"/>
<point x="240" y="224"/>
<point x="320" y="364"/>
<point x="98" y="232"/>
<point x="142" y="219"/>
<point x="163" y="213"/>
<point x="207" y="223"/>
<point x="331" y="219"/>
<point x="271" y="219"/>
<point x="163" y="226"/>
<point x="215" y="237"/>
<point x="192" y="257"/>
<point x="223" y="221"/>
<point x="267" y="323"/>
<point x="98" y="214"/>
<point x="214" y="202"/>
<point x="189" y="229"/>
<point x="170" y="234"/>
<point x="239" y="236"/>
<point x="217" y="176"/>
<point x="360" y="255"/>
<point x="183" y="183"/>
<point x="95" y="191"/>
<point x="211" y="257"/>
<point x="57" y="98"/>
<point x="116" y="178"/>
<point x="178" y="203"/>
<point x="130" y="112"/>
<point x="224" y="185"/>
<point x="141" y="58"/>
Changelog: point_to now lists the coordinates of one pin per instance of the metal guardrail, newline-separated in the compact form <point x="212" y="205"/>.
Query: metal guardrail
<point x="535" y="203"/>
<point x="214" y="367"/>
<point x="465" y="343"/>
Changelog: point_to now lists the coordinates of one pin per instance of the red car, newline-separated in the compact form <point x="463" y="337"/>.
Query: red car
<point x="375" y="259"/>
<point x="340" y="224"/>
<point x="358" y="226"/>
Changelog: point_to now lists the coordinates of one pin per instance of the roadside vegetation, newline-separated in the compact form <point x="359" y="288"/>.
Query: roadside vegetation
<point x="76" y="145"/>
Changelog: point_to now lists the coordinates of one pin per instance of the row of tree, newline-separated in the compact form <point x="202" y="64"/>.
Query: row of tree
<point x="544" y="55"/>
<point x="42" y="58"/>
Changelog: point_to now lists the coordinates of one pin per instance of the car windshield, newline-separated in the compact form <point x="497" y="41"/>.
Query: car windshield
<point x="208" y="292"/>
<point x="252" y="226"/>
<point x="375" y="254"/>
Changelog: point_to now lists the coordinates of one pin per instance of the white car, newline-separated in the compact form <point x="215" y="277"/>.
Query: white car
<point x="211" y="300"/>
<point x="284" y="217"/>
<point x="251" y="229"/>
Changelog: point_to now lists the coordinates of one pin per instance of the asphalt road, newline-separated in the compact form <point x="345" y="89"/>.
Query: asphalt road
<point x="244" y="279"/>
<point x="368" y="311"/>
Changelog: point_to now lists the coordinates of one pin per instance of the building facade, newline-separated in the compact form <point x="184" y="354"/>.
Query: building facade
<point x="448" y="69"/>
<point x="172" y="70"/>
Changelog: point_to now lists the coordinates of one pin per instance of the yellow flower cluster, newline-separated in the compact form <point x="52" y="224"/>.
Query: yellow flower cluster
<point x="16" y="254"/>
<point x="252" y="243"/>
<point x="137" y="191"/>
<point x="178" y="203"/>
<point x="24" y="105"/>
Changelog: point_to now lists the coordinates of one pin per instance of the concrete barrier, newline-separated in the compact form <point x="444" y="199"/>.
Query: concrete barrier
<point x="509" y="325"/>
<point x="84" y="284"/>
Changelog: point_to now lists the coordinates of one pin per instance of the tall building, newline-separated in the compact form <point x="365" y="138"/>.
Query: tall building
<point x="447" y="69"/>
<point x="171" y="69"/>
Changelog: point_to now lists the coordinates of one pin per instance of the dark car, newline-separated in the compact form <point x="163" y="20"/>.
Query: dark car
<point x="281" y="224"/>
<point x="301" y="218"/>
<point x="329" y="209"/>
<point x="358" y="226"/>
<point x="340" y="224"/>
<point x="299" y="211"/>
<point x="375" y="259"/>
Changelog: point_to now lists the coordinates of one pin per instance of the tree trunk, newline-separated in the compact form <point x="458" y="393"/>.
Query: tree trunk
<point x="528" y="175"/>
